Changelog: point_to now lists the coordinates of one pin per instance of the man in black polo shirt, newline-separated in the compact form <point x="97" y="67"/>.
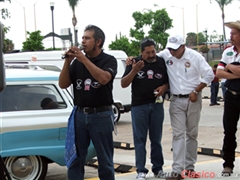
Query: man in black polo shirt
<point x="149" y="79"/>
<point x="92" y="78"/>
<point x="229" y="68"/>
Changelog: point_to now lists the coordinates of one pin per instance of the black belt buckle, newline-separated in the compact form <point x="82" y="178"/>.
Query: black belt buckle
<point x="86" y="110"/>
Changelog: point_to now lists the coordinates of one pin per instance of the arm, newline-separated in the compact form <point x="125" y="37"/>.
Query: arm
<point x="136" y="67"/>
<point x="235" y="69"/>
<point x="162" y="89"/>
<point x="102" y="76"/>
<point x="221" y="73"/>
<point x="64" y="77"/>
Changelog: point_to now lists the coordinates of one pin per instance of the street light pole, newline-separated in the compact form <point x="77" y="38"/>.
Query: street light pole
<point x="24" y="13"/>
<point x="35" y="25"/>
<point x="76" y="36"/>
<point x="182" y="20"/>
<point x="197" y="24"/>
<point x="52" y="8"/>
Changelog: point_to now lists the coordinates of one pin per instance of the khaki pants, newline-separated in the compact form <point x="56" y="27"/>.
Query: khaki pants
<point x="185" y="117"/>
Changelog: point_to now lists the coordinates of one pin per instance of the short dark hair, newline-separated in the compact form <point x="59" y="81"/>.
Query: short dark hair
<point x="98" y="33"/>
<point x="147" y="42"/>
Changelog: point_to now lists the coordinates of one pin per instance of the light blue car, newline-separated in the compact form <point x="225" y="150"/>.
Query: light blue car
<point x="34" y="112"/>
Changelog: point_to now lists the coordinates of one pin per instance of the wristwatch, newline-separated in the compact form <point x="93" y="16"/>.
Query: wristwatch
<point x="195" y="92"/>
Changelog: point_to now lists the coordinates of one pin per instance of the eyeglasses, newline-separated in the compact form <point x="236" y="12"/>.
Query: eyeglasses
<point x="171" y="49"/>
<point x="146" y="40"/>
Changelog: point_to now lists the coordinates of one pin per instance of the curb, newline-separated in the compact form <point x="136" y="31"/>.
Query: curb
<point x="123" y="168"/>
<point x="123" y="145"/>
<point x="214" y="152"/>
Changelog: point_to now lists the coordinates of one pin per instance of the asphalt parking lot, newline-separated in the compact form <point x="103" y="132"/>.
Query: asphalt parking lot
<point x="210" y="143"/>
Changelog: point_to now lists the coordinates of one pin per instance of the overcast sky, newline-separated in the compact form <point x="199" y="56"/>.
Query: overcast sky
<point x="112" y="16"/>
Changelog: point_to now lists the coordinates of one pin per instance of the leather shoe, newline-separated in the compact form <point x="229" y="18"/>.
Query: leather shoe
<point x="190" y="173"/>
<point x="212" y="104"/>
<point x="217" y="103"/>
<point x="227" y="171"/>
<point x="174" y="176"/>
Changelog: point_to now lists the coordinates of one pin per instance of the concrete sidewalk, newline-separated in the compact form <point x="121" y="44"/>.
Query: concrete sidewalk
<point x="207" y="170"/>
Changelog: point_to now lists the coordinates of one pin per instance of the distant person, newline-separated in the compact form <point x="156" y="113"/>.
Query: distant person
<point x="229" y="68"/>
<point x="188" y="74"/>
<point x="48" y="103"/>
<point x="223" y="87"/>
<point x="149" y="81"/>
<point x="91" y="74"/>
<point x="214" y="88"/>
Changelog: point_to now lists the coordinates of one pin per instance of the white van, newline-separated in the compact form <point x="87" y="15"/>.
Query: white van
<point x="122" y="96"/>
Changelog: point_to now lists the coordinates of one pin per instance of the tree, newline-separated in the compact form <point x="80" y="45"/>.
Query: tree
<point x="73" y="4"/>
<point x="4" y="12"/>
<point x="157" y="23"/>
<point x="222" y="4"/>
<point x="8" y="45"/>
<point x="33" y="42"/>
<point x="191" y="39"/>
<point x="214" y="37"/>
<point x="123" y="44"/>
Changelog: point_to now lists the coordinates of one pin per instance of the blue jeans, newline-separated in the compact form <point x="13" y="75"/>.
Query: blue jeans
<point x="98" y="127"/>
<point x="148" y="117"/>
<point x="214" y="92"/>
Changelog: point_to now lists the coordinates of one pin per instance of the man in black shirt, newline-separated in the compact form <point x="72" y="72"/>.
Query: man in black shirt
<point x="229" y="68"/>
<point x="91" y="75"/>
<point x="148" y="76"/>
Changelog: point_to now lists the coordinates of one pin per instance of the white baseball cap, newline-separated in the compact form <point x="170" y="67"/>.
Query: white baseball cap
<point x="174" y="41"/>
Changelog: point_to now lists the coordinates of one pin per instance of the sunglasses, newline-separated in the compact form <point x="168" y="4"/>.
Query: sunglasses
<point x="148" y="39"/>
<point x="171" y="49"/>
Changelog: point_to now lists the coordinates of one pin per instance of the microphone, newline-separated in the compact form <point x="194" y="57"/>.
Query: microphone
<point x="66" y="56"/>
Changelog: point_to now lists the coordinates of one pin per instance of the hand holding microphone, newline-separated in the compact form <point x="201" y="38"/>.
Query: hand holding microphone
<point x="80" y="47"/>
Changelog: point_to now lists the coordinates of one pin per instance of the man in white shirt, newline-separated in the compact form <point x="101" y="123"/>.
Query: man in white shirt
<point x="188" y="74"/>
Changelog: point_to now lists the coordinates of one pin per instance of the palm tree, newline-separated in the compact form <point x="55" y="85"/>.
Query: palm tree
<point x="221" y="4"/>
<point x="73" y="4"/>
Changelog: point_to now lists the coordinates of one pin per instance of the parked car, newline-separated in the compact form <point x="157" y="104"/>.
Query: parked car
<point x="34" y="111"/>
<point x="121" y="96"/>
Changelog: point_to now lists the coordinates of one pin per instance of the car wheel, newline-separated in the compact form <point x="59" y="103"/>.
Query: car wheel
<point x="26" y="167"/>
<point x="116" y="113"/>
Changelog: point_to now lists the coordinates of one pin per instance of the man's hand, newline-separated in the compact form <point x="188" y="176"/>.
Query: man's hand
<point x="137" y="66"/>
<point x="129" y="60"/>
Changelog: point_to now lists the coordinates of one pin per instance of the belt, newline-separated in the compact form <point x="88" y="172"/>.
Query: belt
<point x="233" y="92"/>
<point x="91" y="110"/>
<point x="181" y="95"/>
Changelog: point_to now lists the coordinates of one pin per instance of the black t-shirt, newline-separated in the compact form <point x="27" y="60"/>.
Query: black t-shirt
<point x="87" y="91"/>
<point x="151" y="76"/>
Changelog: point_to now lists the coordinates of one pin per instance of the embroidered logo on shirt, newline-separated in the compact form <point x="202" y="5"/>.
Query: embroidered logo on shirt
<point x="140" y="75"/>
<point x="229" y="53"/>
<point x="87" y="84"/>
<point x="150" y="74"/>
<point x="187" y="64"/>
<point x="78" y="84"/>
<point x="96" y="85"/>
<point x="169" y="62"/>
<point x="158" y="76"/>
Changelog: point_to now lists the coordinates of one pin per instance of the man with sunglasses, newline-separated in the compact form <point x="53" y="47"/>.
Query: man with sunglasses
<point x="148" y="77"/>
<point x="188" y="74"/>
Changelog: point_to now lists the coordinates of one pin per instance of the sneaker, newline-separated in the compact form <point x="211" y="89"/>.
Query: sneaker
<point x="174" y="176"/>
<point x="160" y="174"/>
<point x="227" y="171"/>
<point x="141" y="175"/>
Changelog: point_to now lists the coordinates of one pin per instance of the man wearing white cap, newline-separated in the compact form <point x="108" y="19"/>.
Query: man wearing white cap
<point x="188" y="74"/>
<point x="229" y="68"/>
